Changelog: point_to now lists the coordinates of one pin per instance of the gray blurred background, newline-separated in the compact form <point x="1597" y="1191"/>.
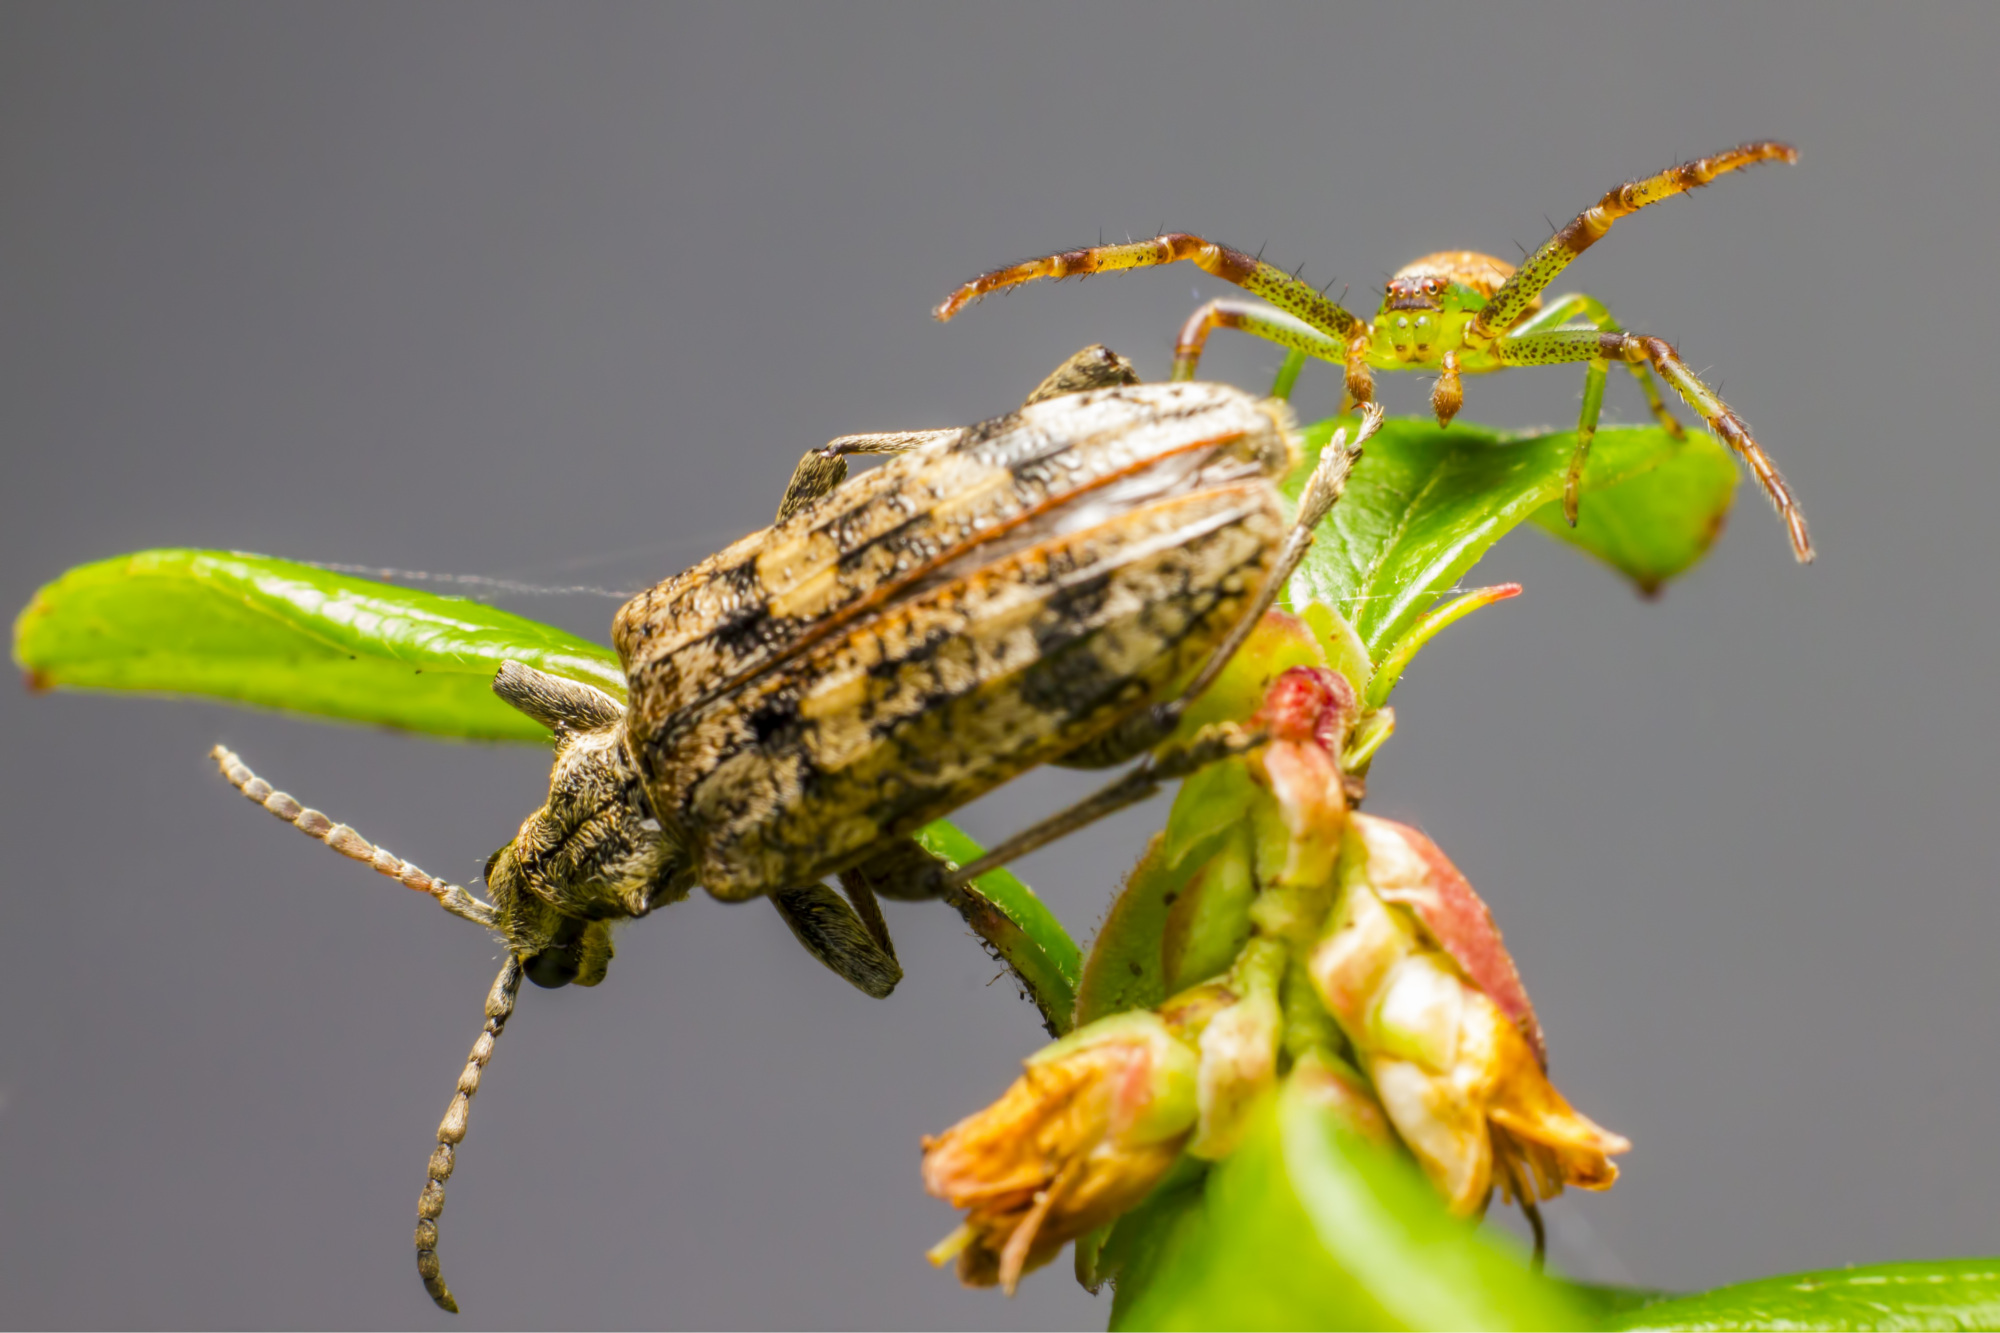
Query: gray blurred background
<point x="559" y="294"/>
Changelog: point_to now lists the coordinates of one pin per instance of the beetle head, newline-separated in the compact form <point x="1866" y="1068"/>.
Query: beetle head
<point x="594" y="853"/>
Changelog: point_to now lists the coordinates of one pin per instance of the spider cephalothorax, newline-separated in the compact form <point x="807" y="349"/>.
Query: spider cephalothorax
<point x="1458" y="313"/>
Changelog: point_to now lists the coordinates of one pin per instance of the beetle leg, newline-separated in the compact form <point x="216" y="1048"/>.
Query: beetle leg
<point x="1217" y="741"/>
<point x="1567" y="346"/>
<point x="1539" y="269"/>
<point x="834" y="933"/>
<point x="822" y="469"/>
<point x="898" y="869"/>
<point x="1322" y="489"/>
<point x="1258" y="321"/>
<point x="1095" y="367"/>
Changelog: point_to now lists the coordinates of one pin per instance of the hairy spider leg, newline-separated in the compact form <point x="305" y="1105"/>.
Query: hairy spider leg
<point x="1568" y="346"/>
<point x="1580" y="306"/>
<point x="1259" y="321"/>
<point x="1288" y="293"/>
<point x="1588" y="227"/>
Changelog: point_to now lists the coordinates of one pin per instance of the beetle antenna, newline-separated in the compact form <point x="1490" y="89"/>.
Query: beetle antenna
<point x="451" y="1131"/>
<point x="347" y="842"/>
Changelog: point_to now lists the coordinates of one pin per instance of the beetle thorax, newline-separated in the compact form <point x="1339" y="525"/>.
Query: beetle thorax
<point x="594" y="852"/>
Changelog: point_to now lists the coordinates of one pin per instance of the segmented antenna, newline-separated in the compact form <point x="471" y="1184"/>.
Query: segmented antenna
<point x="347" y="842"/>
<point x="451" y="1132"/>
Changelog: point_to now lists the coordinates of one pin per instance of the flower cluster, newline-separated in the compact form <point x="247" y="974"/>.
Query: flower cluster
<point x="1356" y="962"/>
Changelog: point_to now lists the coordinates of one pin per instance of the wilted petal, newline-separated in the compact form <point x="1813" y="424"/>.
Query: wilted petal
<point x="1457" y="1067"/>
<point x="1092" y="1123"/>
<point x="1239" y="1063"/>
<point x="1407" y="868"/>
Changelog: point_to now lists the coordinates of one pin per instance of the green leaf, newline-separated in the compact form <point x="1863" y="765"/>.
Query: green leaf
<point x="1309" y="1225"/>
<point x="1019" y="927"/>
<point x="1424" y="504"/>
<point x="1659" y="523"/>
<point x="1924" y="1294"/>
<point x="283" y="635"/>
<point x="1124" y="969"/>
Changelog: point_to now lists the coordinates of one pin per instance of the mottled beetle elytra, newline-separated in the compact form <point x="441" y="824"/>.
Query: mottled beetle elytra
<point x="1051" y="586"/>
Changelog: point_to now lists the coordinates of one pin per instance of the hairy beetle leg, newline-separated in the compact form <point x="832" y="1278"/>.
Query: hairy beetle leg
<point x="1218" y="741"/>
<point x="854" y="948"/>
<point x="1322" y="490"/>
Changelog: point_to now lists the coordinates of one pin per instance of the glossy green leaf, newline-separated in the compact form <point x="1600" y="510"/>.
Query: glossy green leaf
<point x="1925" y="1294"/>
<point x="283" y="635"/>
<point x="1659" y="523"/>
<point x="1018" y="926"/>
<point x="1309" y="1225"/>
<point x="1424" y="504"/>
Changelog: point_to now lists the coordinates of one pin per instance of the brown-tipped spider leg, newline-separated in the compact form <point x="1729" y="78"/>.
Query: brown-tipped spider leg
<point x="1562" y="346"/>
<point x="1259" y="321"/>
<point x="1253" y="275"/>
<point x="1575" y="307"/>
<point x="1518" y="293"/>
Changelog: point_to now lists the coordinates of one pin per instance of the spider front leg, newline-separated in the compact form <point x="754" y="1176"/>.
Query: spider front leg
<point x="1288" y="293"/>
<point x="1568" y="346"/>
<point x="1588" y="227"/>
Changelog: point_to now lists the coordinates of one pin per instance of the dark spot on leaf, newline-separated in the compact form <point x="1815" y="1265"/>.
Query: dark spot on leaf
<point x="1136" y="970"/>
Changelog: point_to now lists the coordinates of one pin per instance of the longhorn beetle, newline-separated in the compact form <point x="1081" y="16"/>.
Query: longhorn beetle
<point x="1054" y="585"/>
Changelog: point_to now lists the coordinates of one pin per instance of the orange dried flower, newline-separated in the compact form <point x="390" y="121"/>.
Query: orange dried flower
<point x="1087" y="1130"/>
